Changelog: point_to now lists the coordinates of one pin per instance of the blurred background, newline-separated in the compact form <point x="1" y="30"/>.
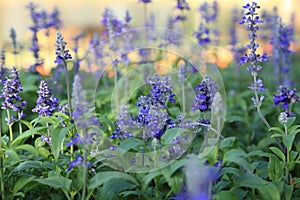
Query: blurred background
<point x="85" y="15"/>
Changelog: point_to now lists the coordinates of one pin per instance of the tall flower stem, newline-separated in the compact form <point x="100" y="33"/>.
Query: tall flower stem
<point x="20" y="124"/>
<point x="1" y="166"/>
<point x="258" y="105"/>
<point x="126" y="83"/>
<point x="84" y="176"/>
<point x="287" y="158"/>
<point x="10" y="127"/>
<point x="183" y="98"/>
<point x="68" y="88"/>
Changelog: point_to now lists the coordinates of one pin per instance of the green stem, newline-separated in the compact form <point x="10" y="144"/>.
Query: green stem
<point x="258" y="103"/>
<point x="84" y="174"/>
<point x="117" y="93"/>
<point x="20" y="124"/>
<point x="287" y="158"/>
<point x="10" y="127"/>
<point x="68" y="89"/>
<point x="156" y="188"/>
<point x="1" y="166"/>
<point x="183" y="97"/>
<point x="126" y="83"/>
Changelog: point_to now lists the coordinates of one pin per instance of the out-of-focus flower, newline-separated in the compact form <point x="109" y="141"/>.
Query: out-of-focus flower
<point x="78" y="162"/>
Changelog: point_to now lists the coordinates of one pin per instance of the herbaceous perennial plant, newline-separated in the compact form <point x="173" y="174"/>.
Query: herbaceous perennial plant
<point x="147" y="123"/>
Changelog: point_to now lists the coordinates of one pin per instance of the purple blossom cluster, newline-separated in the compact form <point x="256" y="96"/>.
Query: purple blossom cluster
<point x="13" y="37"/>
<point x="208" y="15"/>
<point x="46" y="103"/>
<point x="251" y="18"/>
<point x="11" y="94"/>
<point x="206" y="92"/>
<point x="62" y="54"/>
<point x="285" y="97"/>
<point x="78" y="162"/>
<point x="152" y="116"/>
<point x="41" y="21"/>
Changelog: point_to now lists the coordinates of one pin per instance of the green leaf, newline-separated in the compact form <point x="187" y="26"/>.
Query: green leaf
<point x="131" y="143"/>
<point x="293" y="155"/>
<point x="170" y="134"/>
<point x="232" y="119"/>
<point x="43" y="152"/>
<point x="26" y="123"/>
<point x="228" y="143"/>
<point x="269" y="192"/>
<point x="28" y="165"/>
<point x="276" y="135"/>
<point x="29" y="148"/>
<point x="102" y="177"/>
<point x="275" y="168"/>
<point x="276" y="129"/>
<point x="12" y="155"/>
<point x="288" y="191"/>
<point x="288" y="141"/>
<point x="26" y="135"/>
<point x="175" y="182"/>
<point x="56" y="182"/>
<point x="150" y="176"/>
<point x="22" y="182"/>
<point x="114" y="186"/>
<point x="57" y="137"/>
<point x="249" y="180"/>
<point x="290" y="121"/>
<point x="278" y="152"/>
<point x="259" y="153"/>
<point x="226" y="195"/>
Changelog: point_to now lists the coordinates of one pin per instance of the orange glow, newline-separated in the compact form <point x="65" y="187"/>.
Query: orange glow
<point x="43" y="71"/>
<point x="162" y="67"/>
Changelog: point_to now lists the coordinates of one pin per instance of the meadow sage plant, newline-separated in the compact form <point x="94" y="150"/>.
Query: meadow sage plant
<point x="251" y="19"/>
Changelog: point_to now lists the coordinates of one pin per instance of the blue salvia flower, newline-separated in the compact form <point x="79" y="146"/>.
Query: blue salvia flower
<point x="251" y="18"/>
<point x="208" y="14"/>
<point x="2" y="64"/>
<point x="87" y="139"/>
<point x="181" y="5"/>
<point x="54" y="19"/>
<point x="10" y="93"/>
<point x="170" y="37"/>
<point x="77" y="60"/>
<point x="152" y="115"/>
<point x="81" y="113"/>
<point x="145" y="1"/>
<point x="286" y="97"/>
<point x="113" y="27"/>
<point x="161" y="91"/>
<point x="46" y="103"/>
<point x="153" y="120"/>
<point x="182" y="73"/>
<point x="62" y="54"/>
<point x="124" y="124"/>
<point x="78" y="162"/>
<point x="35" y="17"/>
<point x="13" y="37"/>
<point x="202" y="34"/>
<point x="206" y="91"/>
<point x="281" y="42"/>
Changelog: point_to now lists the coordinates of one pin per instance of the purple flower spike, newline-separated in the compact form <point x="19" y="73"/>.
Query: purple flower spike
<point x="46" y="103"/>
<point x="145" y="1"/>
<point x="10" y="93"/>
<point x="207" y="90"/>
<point x="286" y="97"/>
<point x="61" y="53"/>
